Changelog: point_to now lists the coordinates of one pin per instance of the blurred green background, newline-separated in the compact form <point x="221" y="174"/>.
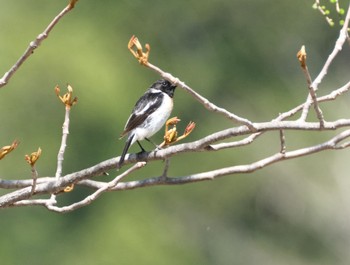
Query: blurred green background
<point x="239" y="54"/>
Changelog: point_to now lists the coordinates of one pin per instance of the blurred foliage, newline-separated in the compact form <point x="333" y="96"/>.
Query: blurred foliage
<point x="239" y="54"/>
<point x="329" y="9"/>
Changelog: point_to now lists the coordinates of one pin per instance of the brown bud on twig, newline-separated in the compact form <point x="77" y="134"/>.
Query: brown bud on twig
<point x="69" y="188"/>
<point x="8" y="148"/>
<point x="171" y="135"/>
<point x="67" y="99"/>
<point x="72" y="3"/>
<point x="141" y="56"/>
<point x="301" y="55"/>
<point x="33" y="157"/>
<point x="189" y="128"/>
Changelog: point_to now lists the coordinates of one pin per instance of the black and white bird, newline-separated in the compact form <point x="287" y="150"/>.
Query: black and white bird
<point x="149" y="114"/>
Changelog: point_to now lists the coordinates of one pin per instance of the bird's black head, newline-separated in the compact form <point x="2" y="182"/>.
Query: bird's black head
<point x="165" y="86"/>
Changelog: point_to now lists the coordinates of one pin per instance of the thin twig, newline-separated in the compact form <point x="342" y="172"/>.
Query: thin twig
<point x="283" y="142"/>
<point x="60" y="155"/>
<point x="166" y="167"/>
<point x="331" y="96"/>
<point x="248" y="140"/>
<point x="35" y="177"/>
<point x="35" y="44"/>
<point x="205" y="102"/>
<point x="312" y="93"/>
<point x="65" y="133"/>
<point x="31" y="160"/>
<point x="337" y="48"/>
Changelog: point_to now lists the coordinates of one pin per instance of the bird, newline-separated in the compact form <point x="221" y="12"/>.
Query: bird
<point x="150" y="113"/>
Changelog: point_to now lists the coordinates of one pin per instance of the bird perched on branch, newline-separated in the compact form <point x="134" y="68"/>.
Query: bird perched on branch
<point x="149" y="114"/>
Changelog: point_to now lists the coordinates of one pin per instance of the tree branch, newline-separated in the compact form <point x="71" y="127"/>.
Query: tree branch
<point x="55" y="186"/>
<point x="332" y="144"/>
<point x="343" y="35"/>
<point x="35" y="44"/>
<point x="49" y="204"/>
<point x="25" y="195"/>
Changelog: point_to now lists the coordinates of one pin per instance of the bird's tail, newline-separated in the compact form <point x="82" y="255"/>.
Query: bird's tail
<point x="125" y="150"/>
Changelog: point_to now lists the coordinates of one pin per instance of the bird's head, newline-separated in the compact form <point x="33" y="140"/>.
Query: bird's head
<point x="164" y="86"/>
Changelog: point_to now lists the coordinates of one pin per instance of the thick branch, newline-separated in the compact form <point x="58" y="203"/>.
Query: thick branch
<point x="89" y="199"/>
<point x="200" y="145"/>
<point x="332" y="144"/>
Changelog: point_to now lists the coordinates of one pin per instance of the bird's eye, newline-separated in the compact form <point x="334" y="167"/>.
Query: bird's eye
<point x="164" y="84"/>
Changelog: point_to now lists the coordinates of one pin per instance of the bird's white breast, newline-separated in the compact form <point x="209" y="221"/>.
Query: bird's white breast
<point x="155" y="121"/>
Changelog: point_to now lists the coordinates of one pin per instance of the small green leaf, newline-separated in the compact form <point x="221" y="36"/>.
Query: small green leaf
<point x="333" y="1"/>
<point x="341" y="22"/>
<point x="314" y="6"/>
<point x="341" y="11"/>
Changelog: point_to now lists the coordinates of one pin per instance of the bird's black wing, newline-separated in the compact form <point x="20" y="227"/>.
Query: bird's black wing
<point x="144" y="107"/>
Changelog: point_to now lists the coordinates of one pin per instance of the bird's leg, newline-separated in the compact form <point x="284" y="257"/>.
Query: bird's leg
<point x="155" y="145"/>
<point x="142" y="149"/>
